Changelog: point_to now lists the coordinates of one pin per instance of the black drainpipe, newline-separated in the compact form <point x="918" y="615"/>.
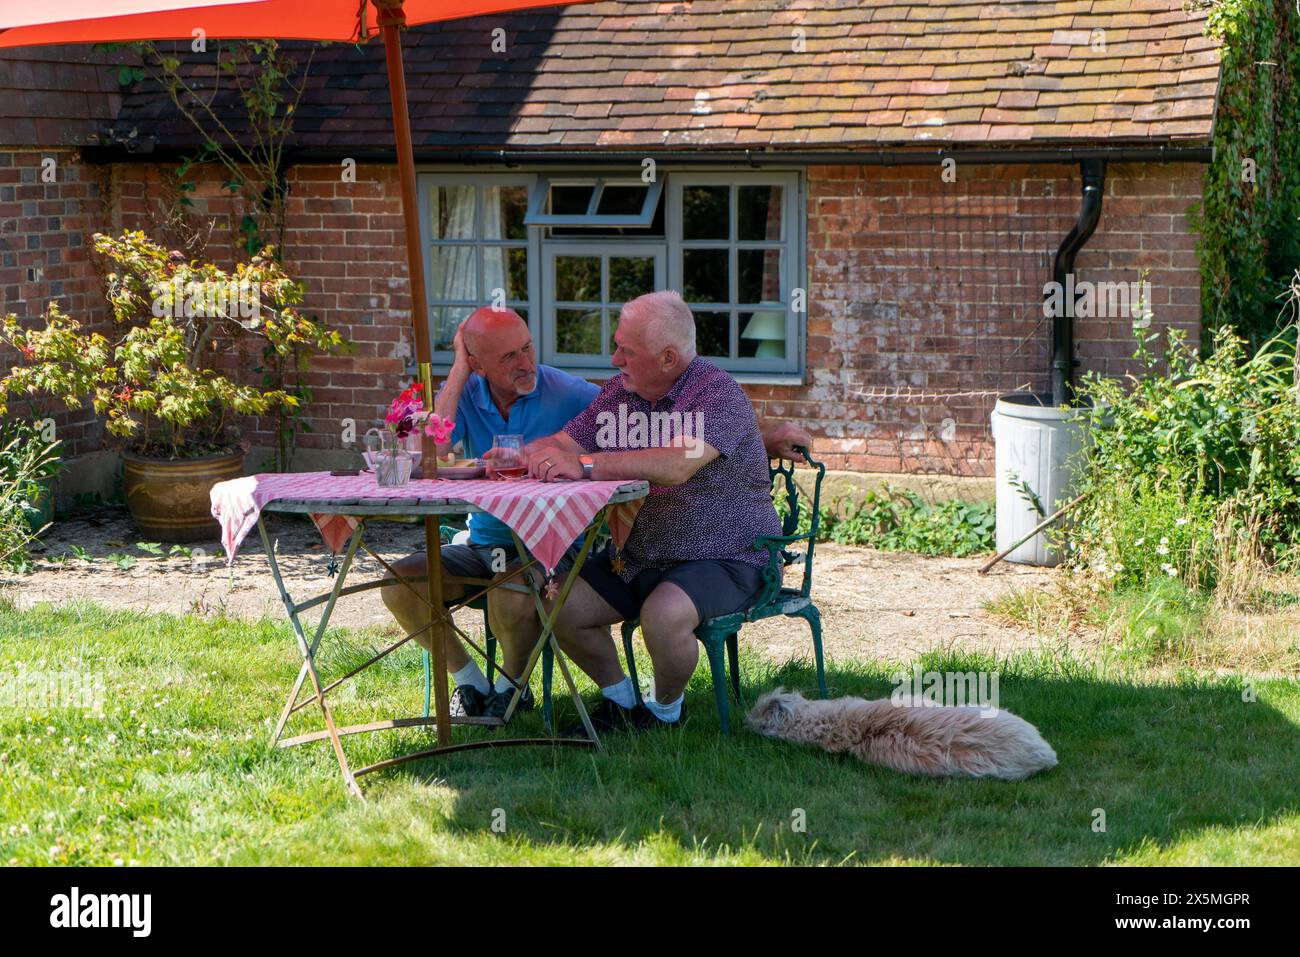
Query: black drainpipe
<point x="1063" y="362"/>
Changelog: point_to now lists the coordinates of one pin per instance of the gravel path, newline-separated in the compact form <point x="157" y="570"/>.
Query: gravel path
<point x="874" y="604"/>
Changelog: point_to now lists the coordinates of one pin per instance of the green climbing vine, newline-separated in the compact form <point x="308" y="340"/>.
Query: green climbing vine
<point x="1249" y="218"/>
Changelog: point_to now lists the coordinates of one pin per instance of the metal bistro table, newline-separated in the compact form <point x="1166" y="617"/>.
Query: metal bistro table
<point x="430" y="511"/>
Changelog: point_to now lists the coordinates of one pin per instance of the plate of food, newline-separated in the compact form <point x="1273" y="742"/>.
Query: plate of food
<point x="457" y="468"/>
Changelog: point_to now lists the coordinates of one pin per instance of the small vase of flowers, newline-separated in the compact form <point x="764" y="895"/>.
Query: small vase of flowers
<point x="407" y="422"/>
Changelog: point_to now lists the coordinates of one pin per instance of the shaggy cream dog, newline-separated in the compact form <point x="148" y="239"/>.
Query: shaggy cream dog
<point x="908" y="737"/>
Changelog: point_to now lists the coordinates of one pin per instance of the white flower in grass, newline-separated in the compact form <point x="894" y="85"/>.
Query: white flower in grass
<point x="118" y="862"/>
<point x="1163" y="547"/>
<point x="1169" y="570"/>
<point x="112" y="739"/>
<point x="1139" y="543"/>
<point x="1182" y="521"/>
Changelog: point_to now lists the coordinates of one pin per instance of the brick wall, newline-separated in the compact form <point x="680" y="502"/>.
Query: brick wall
<point x="62" y="95"/>
<point x="45" y="232"/>
<point x="917" y="288"/>
<point x="927" y="296"/>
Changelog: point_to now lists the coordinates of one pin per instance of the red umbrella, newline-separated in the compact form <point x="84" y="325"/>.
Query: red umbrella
<point x="25" y="23"/>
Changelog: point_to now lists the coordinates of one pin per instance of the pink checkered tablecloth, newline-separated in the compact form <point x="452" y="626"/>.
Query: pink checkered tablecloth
<point x="547" y="516"/>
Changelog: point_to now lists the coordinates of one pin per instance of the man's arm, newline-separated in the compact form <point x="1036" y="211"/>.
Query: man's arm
<point x="663" y="467"/>
<point x="447" y="402"/>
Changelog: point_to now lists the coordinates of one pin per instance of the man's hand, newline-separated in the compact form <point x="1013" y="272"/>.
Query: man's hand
<point x="461" y="350"/>
<point x="781" y="438"/>
<point x="554" y="464"/>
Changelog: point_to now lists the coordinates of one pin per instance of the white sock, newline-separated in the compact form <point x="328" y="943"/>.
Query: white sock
<point x="473" y="676"/>
<point x="666" y="712"/>
<point x="622" y="693"/>
<point x="503" y="684"/>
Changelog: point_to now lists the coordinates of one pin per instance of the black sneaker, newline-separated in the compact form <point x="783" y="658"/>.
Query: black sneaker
<point x="467" y="702"/>
<point x="610" y="717"/>
<point x="498" y="701"/>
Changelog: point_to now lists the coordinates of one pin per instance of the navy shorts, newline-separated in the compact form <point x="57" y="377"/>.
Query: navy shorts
<point x="716" y="587"/>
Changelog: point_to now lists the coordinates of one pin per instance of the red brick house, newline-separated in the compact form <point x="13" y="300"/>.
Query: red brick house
<point x="861" y="200"/>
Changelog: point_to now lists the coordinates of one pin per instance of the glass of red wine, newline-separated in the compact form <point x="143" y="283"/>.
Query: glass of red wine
<point x="506" y="460"/>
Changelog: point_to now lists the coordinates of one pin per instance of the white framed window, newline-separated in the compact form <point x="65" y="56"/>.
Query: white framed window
<point x="732" y="242"/>
<point x="736" y="263"/>
<point x="477" y="250"/>
<point x="593" y="201"/>
<point x="584" y="286"/>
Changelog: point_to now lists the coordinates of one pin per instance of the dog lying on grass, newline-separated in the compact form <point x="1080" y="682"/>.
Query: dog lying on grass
<point x="909" y="737"/>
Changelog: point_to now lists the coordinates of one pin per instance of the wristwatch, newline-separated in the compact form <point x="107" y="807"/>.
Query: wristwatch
<point x="588" y="464"/>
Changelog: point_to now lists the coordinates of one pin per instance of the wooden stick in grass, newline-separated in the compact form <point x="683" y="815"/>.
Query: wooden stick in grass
<point x="1050" y="520"/>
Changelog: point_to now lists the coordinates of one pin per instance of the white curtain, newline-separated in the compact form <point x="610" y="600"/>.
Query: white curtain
<point x="454" y="275"/>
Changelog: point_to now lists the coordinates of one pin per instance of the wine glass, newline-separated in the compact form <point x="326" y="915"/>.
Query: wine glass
<point x="506" y="459"/>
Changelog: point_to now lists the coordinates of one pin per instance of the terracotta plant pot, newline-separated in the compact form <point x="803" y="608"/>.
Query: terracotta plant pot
<point x="169" y="499"/>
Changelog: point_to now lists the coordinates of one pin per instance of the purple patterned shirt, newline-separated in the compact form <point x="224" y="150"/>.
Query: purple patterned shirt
<point x="719" y="511"/>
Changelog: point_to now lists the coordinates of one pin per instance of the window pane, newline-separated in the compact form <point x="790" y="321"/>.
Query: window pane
<point x="705" y="212"/>
<point x="452" y="212"/>
<point x="758" y="212"/>
<point x="446" y="320"/>
<point x="504" y="208"/>
<point x="654" y="231"/>
<point x="622" y="200"/>
<point x="578" y="330"/>
<point x="762" y="334"/>
<point x="453" y="273"/>
<point x="630" y="276"/>
<point x="704" y="275"/>
<point x="577" y="278"/>
<point x="505" y="267"/>
<point x="760" y="275"/>
<point x="713" y="333"/>
<point x="571" y="200"/>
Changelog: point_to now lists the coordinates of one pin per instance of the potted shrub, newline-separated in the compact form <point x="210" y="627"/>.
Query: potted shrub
<point x="168" y="410"/>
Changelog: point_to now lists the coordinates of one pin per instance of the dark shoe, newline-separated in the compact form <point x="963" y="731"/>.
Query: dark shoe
<point x="498" y="701"/>
<point x="609" y="717"/>
<point x="468" y="702"/>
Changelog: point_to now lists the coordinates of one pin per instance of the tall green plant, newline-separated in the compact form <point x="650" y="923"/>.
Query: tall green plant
<point x="28" y="461"/>
<point x="1190" y="452"/>
<point x="1249" y="217"/>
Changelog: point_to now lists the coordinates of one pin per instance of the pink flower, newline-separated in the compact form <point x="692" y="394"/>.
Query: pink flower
<point x="440" y="428"/>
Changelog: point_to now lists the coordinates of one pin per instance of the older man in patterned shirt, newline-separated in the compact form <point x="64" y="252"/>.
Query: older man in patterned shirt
<point x="684" y="425"/>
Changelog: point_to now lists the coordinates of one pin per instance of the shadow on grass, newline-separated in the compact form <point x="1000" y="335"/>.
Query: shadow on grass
<point x="1157" y="764"/>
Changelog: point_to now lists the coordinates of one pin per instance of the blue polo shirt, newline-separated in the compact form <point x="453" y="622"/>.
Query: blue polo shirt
<point x="546" y="410"/>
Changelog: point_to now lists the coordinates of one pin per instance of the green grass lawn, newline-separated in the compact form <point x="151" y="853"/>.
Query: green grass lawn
<point x="176" y="769"/>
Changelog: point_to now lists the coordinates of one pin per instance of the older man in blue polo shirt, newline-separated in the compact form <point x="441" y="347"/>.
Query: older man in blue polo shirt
<point x="495" y="387"/>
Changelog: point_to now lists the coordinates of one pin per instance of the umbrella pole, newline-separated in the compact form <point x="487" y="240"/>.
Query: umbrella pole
<point x="420" y="326"/>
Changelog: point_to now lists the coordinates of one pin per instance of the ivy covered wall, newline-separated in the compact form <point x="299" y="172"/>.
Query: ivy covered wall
<point x="1249" y="220"/>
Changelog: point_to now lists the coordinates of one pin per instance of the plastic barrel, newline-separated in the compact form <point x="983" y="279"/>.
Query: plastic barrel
<point x="1036" y="443"/>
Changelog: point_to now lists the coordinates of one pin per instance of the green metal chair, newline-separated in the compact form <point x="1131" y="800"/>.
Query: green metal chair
<point x="719" y="633"/>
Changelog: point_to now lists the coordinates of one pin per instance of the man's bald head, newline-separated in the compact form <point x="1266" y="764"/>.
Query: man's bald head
<point x="486" y="324"/>
<point x="500" y="348"/>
